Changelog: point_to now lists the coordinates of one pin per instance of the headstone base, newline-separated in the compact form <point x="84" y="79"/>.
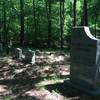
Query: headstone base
<point x="85" y="90"/>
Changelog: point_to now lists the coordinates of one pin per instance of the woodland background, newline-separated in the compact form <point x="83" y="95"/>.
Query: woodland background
<point x="46" y="23"/>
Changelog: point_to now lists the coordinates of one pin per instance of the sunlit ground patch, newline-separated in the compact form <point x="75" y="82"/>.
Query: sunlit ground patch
<point x="4" y="90"/>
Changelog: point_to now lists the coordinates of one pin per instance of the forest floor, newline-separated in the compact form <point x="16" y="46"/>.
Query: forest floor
<point x="41" y="81"/>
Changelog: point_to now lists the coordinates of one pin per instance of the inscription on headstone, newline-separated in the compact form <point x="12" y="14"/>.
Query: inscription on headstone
<point x="85" y="56"/>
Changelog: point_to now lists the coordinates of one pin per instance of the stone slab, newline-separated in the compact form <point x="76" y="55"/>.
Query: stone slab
<point x="85" y="56"/>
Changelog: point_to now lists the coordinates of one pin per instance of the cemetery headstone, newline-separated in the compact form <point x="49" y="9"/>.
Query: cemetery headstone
<point x="9" y="47"/>
<point x="18" y="54"/>
<point x="30" y="56"/>
<point x="85" y="60"/>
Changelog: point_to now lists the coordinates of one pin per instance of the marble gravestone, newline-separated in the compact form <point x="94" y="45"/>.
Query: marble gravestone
<point x="85" y="60"/>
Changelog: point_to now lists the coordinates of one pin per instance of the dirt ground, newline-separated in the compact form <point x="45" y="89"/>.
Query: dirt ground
<point x="41" y="81"/>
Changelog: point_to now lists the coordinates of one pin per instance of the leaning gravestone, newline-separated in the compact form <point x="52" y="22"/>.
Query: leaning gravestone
<point x="85" y="60"/>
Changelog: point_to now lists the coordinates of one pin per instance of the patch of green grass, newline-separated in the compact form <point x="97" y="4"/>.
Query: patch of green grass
<point x="56" y="49"/>
<point x="7" y="98"/>
<point x="50" y="80"/>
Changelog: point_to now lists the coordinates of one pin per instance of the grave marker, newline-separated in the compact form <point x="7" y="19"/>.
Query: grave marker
<point x="85" y="60"/>
<point x="30" y="56"/>
<point x="18" y="54"/>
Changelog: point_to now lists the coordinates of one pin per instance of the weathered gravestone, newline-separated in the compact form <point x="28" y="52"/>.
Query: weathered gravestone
<point x="27" y="56"/>
<point x="18" y="54"/>
<point x="30" y="56"/>
<point x="85" y="60"/>
<point x="9" y="49"/>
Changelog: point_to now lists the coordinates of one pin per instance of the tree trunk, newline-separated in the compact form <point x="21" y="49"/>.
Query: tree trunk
<point x="22" y="21"/>
<point x="1" y="23"/>
<point x="48" y="9"/>
<point x="4" y="24"/>
<point x="61" y="22"/>
<point x="34" y="42"/>
<point x="85" y="12"/>
<point x="37" y="23"/>
<point x="74" y="13"/>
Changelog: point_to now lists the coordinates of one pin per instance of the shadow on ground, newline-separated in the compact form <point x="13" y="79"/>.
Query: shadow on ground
<point x="70" y="93"/>
<point x="24" y="89"/>
<point x="13" y="89"/>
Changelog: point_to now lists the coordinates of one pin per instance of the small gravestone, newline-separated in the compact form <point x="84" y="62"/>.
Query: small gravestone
<point x="10" y="47"/>
<point x="30" y="56"/>
<point x="18" y="54"/>
<point x="85" y="61"/>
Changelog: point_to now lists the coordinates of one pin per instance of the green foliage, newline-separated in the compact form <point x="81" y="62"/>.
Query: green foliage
<point x="12" y="8"/>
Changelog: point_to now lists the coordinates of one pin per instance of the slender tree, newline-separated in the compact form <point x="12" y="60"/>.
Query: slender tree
<point x="48" y="9"/>
<point x="35" y="26"/>
<point x="1" y="20"/>
<point x="74" y="13"/>
<point x="96" y="15"/>
<point x="61" y="21"/>
<point x="22" y="21"/>
<point x="4" y="22"/>
<point x="85" y="16"/>
<point x="38" y="23"/>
